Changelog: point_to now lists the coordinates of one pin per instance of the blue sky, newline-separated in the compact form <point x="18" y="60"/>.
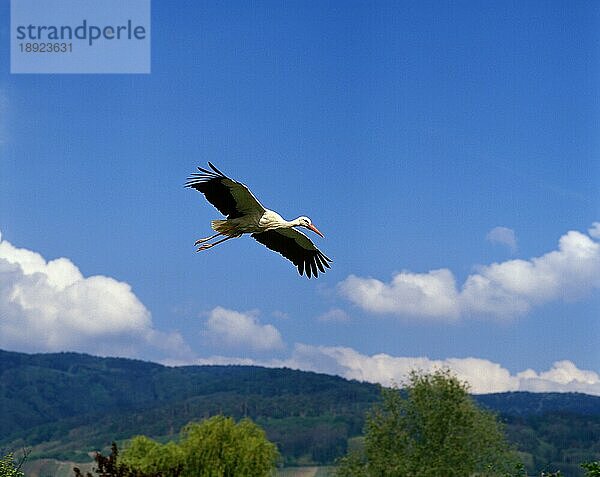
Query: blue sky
<point x="407" y="131"/>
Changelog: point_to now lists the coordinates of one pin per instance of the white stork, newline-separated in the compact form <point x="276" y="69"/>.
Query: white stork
<point x="246" y="215"/>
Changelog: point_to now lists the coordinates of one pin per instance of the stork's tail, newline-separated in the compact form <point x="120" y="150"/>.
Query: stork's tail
<point x="224" y="227"/>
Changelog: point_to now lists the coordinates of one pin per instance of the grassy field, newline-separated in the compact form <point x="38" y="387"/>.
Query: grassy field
<point x="54" y="468"/>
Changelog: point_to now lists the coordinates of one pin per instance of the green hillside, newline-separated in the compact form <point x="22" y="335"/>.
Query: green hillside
<point x="65" y="405"/>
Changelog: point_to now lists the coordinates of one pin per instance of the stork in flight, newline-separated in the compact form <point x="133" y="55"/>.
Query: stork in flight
<point x="246" y="215"/>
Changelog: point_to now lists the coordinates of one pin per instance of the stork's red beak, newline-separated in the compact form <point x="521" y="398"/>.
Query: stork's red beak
<point x="315" y="230"/>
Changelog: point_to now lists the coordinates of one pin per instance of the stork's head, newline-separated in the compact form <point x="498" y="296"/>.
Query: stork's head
<point x="306" y="222"/>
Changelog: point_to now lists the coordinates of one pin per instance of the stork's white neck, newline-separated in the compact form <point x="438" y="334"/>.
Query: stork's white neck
<point x="272" y="220"/>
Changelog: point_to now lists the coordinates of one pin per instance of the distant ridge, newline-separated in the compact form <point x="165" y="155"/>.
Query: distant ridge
<point x="44" y="387"/>
<point x="523" y="403"/>
<point x="73" y="389"/>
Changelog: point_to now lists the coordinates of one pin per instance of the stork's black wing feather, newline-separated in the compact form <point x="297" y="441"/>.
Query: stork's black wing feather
<point x="297" y="248"/>
<point x="230" y="197"/>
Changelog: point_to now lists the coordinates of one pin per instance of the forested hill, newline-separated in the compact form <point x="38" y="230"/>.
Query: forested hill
<point x="41" y="388"/>
<point x="63" y="405"/>
<point x="525" y="404"/>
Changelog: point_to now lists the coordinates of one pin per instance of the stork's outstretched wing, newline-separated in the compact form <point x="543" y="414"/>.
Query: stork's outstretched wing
<point x="230" y="197"/>
<point x="296" y="247"/>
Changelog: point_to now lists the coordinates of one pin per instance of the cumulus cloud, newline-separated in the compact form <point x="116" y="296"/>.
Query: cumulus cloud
<point x="594" y="230"/>
<point x="483" y="376"/>
<point x="513" y="287"/>
<point x="503" y="236"/>
<point x="563" y="374"/>
<point x="334" y="315"/>
<point x="505" y="289"/>
<point x="241" y="330"/>
<point x="282" y="315"/>
<point x="51" y="306"/>
<point x="428" y="294"/>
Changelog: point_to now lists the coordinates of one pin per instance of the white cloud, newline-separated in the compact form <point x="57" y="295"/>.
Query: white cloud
<point x="241" y="330"/>
<point x="51" y="306"/>
<point x="563" y="374"/>
<point x="513" y="287"/>
<point x="505" y="289"/>
<point x="594" y="230"/>
<point x="503" y="236"/>
<point x="429" y="294"/>
<point x="282" y="315"/>
<point x="483" y="376"/>
<point x="334" y="315"/>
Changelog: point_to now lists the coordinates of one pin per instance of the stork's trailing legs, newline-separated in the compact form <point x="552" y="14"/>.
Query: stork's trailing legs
<point x="209" y="245"/>
<point x="206" y="239"/>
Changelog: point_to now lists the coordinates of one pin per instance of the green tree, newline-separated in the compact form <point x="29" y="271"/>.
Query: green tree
<point x="8" y="467"/>
<point x="430" y="428"/>
<point x="218" y="447"/>
<point x="592" y="468"/>
<point x="149" y="457"/>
